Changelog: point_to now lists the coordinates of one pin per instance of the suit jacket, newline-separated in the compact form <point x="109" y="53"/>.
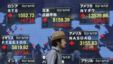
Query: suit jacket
<point x="54" y="56"/>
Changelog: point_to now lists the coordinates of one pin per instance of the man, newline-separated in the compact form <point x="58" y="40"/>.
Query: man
<point x="58" y="43"/>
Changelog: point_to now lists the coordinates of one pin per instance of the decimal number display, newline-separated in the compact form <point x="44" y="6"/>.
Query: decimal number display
<point x="26" y="15"/>
<point x="88" y="43"/>
<point x="61" y="19"/>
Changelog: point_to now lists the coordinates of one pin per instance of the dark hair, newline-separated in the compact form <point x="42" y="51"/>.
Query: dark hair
<point x="55" y="42"/>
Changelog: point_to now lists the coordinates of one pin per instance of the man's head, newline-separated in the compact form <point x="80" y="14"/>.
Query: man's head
<point x="58" y="39"/>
